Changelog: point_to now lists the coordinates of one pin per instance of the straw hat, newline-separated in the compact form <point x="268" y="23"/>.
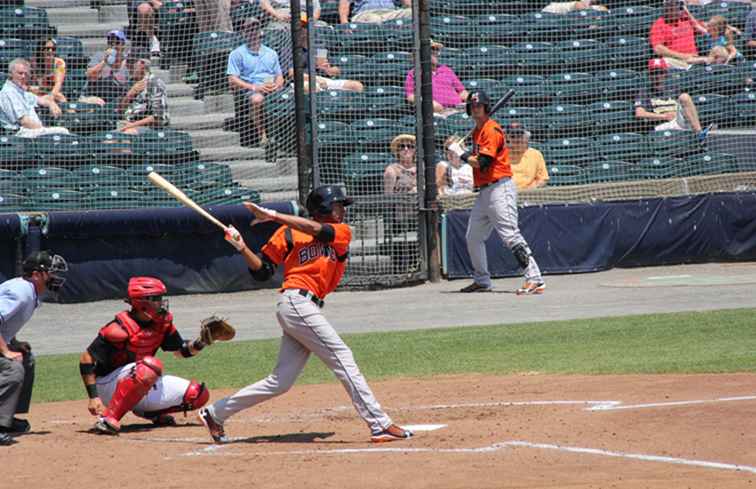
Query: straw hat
<point x="402" y="138"/>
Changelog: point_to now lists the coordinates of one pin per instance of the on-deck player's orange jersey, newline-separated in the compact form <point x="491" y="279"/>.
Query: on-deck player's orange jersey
<point x="490" y="140"/>
<point x="310" y="264"/>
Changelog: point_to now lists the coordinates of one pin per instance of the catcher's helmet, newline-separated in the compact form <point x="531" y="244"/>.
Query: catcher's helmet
<point x="477" y="97"/>
<point x="146" y="296"/>
<point x="321" y="200"/>
<point x="43" y="261"/>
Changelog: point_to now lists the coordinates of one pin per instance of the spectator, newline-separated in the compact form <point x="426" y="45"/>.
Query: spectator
<point x="107" y="74"/>
<point x="374" y="11"/>
<point x="18" y="105"/>
<point x="720" y="34"/>
<point x="528" y="166"/>
<point x="567" y="7"/>
<point x="254" y="72"/>
<point x="453" y="176"/>
<point x="401" y="177"/>
<point x="448" y="91"/>
<point x="142" y="23"/>
<point x="145" y="105"/>
<point x="673" y="37"/>
<point x="665" y="105"/>
<point x="279" y="12"/>
<point x="750" y="32"/>
<point x="48" y="71"/>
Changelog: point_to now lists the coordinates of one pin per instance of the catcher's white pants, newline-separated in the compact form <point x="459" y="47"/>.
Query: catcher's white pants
<point x="305" y="331"/>
<point x="495" y="208"/>
<point x="167" y="392"/>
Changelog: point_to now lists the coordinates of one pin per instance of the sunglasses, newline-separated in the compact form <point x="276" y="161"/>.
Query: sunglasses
<point x="49" y="48"/>
<point x="406" y="146"/>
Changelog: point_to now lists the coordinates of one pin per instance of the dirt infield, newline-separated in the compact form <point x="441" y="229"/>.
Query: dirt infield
<point x="526" y="431"/>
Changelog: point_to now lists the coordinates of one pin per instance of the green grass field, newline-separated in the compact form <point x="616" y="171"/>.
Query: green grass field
<point x="696" y="342"/>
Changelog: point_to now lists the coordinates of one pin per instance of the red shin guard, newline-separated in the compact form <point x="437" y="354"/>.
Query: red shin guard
<point x="130" y="390"/>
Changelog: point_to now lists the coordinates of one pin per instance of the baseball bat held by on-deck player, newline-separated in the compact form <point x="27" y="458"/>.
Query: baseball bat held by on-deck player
<point x="503" y="100"/>
<point x="182" y="197"/>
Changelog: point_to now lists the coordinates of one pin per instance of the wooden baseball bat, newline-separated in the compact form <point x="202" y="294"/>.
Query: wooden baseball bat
<point x="161" y="182"/>
<point x="499" y="103"/>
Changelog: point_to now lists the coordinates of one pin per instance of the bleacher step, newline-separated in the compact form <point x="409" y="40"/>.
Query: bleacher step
<point x="212" y="138"/>
<point x="230" y="153"/>
<point x="90" y="30"/>
<point x="77" y="15"/>
<point x="185" y="106"/>
<point x="251" y="169"/>
<point x="271" y="184"/>
<point x="55" y="4"/>
<point x="176" y="90"/>
<point x="201" y="122"/>
<point x="283" y="196"/>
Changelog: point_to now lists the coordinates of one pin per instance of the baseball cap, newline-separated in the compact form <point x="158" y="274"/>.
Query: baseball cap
<point x="117" y="34"/>
<point x="657" y="64"/>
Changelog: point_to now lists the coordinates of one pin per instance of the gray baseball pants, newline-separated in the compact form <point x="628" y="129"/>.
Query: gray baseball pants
<point x="305" y="331"/>
<point x="16" y="382"/>
<point x="496" y="208"/>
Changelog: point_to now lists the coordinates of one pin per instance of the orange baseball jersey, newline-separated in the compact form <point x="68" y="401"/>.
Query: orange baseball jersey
<point x="308" y="263"/>
<point x="491" y="141"/>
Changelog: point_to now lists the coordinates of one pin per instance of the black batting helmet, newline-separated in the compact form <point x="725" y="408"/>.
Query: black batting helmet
<point x="477" y="97"/>
<point x="321" y="200"/>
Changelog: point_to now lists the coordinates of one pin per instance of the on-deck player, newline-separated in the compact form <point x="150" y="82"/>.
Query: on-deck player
<point x="496" y="204"/>
<point x="120" y="370"/>
<point x="313" y="254"/>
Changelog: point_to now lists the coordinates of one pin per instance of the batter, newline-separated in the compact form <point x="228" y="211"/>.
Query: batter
<point x="313" y="253"/>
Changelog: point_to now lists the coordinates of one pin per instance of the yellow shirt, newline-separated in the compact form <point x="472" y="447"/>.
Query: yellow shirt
<point x="530" y="168"/>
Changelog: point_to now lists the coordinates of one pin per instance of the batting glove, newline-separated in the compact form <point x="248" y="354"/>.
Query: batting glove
<point x="233" y="236"/>
<point x="457" y="149"/>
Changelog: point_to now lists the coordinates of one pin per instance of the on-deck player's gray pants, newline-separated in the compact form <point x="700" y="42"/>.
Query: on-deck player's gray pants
<point x="495" y="208"/>
<point x="305" y="331"/>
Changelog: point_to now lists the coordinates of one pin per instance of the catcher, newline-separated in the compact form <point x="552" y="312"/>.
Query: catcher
<point x="120" y="370"/>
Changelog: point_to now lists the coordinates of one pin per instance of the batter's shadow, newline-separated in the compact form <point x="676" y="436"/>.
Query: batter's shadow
<point x="310" y="437"/>
<point x="495" y="291"/>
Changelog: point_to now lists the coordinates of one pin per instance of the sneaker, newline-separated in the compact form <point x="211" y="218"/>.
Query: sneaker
<point x="155" y="46"/>
<point x="705" y="133"/>
<point x="106" y="426"/>
<point x="392" y="433"/>
<point x="531" y="288"/>
<point x="215" y="428"/>
<point x="475" y="287"/>
<point x="6" y="439"/>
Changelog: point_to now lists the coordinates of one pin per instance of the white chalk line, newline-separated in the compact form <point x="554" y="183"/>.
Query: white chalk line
<point x="618" y="406"/>
<point x="217" y="450"/>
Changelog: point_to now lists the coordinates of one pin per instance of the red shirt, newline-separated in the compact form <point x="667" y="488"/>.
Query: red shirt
<point x="679" y="36"/>
<point x="490" y="140"/>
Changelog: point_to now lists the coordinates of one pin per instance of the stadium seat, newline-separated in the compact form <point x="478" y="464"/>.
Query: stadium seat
<point x="16" y="152"/>
<point x="374" y="134"/>
<point x="11" y="48"/>
<point x="242" y="11"/>
<point x="653" y="168"/>
<point x="735" y="12"/>
<point x="114" y="148"/>
<point x="624" y="146"/>
<point x="628" y="52"/>
<point x="352" y="66"/>
<point x="713" y="108"/>
<point x="587" y="24"/>
<point x="333" y="147"/>
<point x="82" y="118"/>
<point x="488" y="85"/>
<point x="380" y="91"/>
<point x="487" y="61"/>
<point x="178" y="26"/>
<point x="62" y="150"/>
<point x="533" y="57"/>
<point x="43" y="178"/>
<point x="608" y="171"/>
<point x="499" y="29"/>
<point x="530" y="90"/>
<point x="459" y="124"/>
<point x="527" y="116"/>
<point x="71" y="49"/>
<point x="571" y="151"/>
<point x="400" y="35"/>
<point x="618" y="84"/>
<point x="629" y="21"/>
<point x="211" y="50"/>
<point x="541" y="26"/>
<point x="202" y="175"/>
<point x="363" y="172"/>
<point x="28" y="23"/>
<point x="387" y="106"/>
<point x="613" y="116"/>
<point x="566" y="120"/>
<point x="92" y="177"/>
<point x="11" y="182"/>
<point x="744" y="107"/>
<point x="112" y="198"/>
<point x="391" y="67"/>
<point x="341" y="105"/>
<point x="453" y="30"/>
<point x="673" y="144"/>
<point x="706" y="79"/>
<point x="11" y="202"/>
<point x="568" y="88"/>
<point x="709" y="164"/>
<point x="580" y="55"/>
<point x="74" y="83"/>
<point x="230" y="195"/>
<point x="360" y="38"/>
<point x="166" y="145"/>
<point x="566" y="174"/>
<point x="136" y="175"/>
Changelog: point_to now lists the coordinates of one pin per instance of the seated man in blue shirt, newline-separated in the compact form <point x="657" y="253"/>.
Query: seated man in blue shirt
<point x="19" y="298"/>
<point x="18" y="105"/>
<point x="254" y="72"/>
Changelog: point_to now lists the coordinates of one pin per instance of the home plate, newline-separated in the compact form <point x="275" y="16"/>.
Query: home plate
<point x="423" y="427"/>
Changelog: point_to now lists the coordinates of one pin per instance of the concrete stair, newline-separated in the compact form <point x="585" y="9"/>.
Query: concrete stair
<point x="230" y="153"/>
<point x="201" y="121"/>
<point x="90" y="30"/>
<point x="212" y="138"/>
<point x="78" y="15"/>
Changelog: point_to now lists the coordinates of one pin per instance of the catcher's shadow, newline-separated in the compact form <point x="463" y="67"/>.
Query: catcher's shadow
<point x="287" y="438"/>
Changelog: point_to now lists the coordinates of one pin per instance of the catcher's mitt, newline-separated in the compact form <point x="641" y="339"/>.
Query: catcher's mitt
<point x="214" y="329"/>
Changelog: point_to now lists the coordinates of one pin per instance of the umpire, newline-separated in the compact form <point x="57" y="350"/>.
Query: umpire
<point x="19" y="298"/>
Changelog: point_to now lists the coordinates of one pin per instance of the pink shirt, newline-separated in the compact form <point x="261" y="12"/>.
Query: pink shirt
<point x="446" y="86"/>
<point x="679" y="37"/>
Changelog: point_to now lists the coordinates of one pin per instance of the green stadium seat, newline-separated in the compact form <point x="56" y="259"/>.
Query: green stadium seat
<point x="334" y="146"/>
<point x="624" y="146"/>
<point x="628" y="52"/>
<point x="653" y="168"/>
<point x="11" y="182"/>
<point x="735" y="12"/>
<point x="48" y="177"/>
<point x="91" y="177"/>
<point x="65" y="150"/>
<point x="137" y="175"/>
<point x="211" y="49"/>
<point x="527" y="116"/>
<point x="632" y="20"/>
<point x="487" y="61"/>
<point x="542" y="26"/>
<point x="673" y="144"/>
<point x="29" y="23"/>
<point x="152" y="196"/>
<point x="618" y="84"/>
<point x="588" y="24"/>
<point x="580" y="55"/>
<point x="568" y="88"/>
<point x="609" y="171"/>
<point x="71" y="49"/>
<point x="400" y="35"/>
<point x="374" y="134"/>
<point x="82" y="118"/>
<point x="202" y="175"/>
<point x="225" y="195"/>
<point x="533" y="57"/>
<point x="706" y="79"/>
<point x="713" y="108"/>
<point x="178" y="26"/>
<point x="360" y="38"/>
<point x="572" y="151"/>
<point x="391" y="67"/>
<point x="613" y="116"/>
<point x="565" y="174"/>
<point x="11" y="202"/>
<point x="710" y="164"/>
<point x="566" y="120"/>
<point x="499" y="29"/>
<point x="11" y="49"/>
<point x="166" y="145"/>
<point x="379" y="91"/>
<point x="530" y="90"/>
<point x="388" y="106"/>
<point x="744" y="108"/>
<point x="114" y="148"/>
<point x="112" y="198"/>
<point x="16" y="152"/>
<point x="341" y="105"/>
<point x="363" y="172"/>
<point x="352" y="66"/>
<point x="488" y="85"/>
<point x="453" y="31"/>
<point x="74" y="83"/>
<point x="56" y="200"/>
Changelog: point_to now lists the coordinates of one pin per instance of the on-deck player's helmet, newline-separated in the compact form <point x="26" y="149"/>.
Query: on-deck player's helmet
<point x="44" y="261"/>
<point x="146" y="296"/>
<point x="478" y="97"/>
<point x="321" y="200"/>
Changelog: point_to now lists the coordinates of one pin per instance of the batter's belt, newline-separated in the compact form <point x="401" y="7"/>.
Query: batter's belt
<point x="309" y="295"/>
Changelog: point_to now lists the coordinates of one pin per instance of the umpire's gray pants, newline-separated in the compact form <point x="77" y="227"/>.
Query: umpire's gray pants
<point x="305" y="331"/>
<point x="16" y="382"/>
<point x="495" y="208"/>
